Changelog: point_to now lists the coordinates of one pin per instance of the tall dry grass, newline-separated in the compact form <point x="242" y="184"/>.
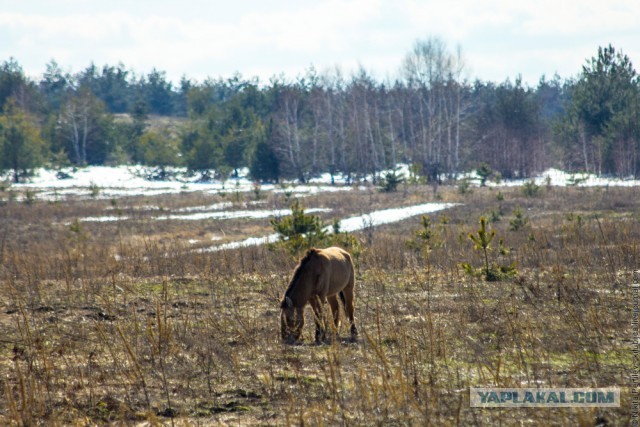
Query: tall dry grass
<point x="124" y="322"/>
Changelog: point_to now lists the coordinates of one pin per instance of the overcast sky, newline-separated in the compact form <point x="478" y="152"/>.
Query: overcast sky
<point x="199" y="38"/>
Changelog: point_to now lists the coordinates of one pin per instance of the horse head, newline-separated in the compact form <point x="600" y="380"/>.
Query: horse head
<point x="291" y="321"/>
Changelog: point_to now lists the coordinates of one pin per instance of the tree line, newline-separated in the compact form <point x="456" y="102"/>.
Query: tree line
<point x="430" y="116"/>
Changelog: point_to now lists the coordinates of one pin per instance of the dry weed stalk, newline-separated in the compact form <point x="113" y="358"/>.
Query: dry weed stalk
<point x="125" y="323"/>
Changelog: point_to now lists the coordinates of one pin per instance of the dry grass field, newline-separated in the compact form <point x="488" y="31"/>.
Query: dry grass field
<point x="126" y="322"/>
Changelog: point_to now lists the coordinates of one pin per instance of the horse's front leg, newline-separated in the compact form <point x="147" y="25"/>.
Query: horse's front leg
<point x="318" y="315"/>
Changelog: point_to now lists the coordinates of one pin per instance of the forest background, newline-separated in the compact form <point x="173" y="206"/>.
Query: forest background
<point x="431" y="117"/>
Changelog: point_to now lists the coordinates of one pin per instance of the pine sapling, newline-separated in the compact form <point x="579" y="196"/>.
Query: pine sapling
<point x="492" y="271"/>
<point x="518" y="221"/>
<point x="482" y="241"/>
<point x="422" y="242"/>
<point x="390" y="181"/>
<point x="484" y="172"/>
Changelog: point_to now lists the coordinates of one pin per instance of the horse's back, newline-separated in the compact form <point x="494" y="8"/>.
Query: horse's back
<point x="337" y="263"/>
<point x="335" y="253"/>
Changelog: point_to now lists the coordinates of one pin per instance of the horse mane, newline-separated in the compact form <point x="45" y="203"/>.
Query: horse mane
<point x="299" y="270"/>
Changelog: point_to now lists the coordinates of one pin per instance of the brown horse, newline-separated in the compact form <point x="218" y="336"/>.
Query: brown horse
<point x="321" y="275"/>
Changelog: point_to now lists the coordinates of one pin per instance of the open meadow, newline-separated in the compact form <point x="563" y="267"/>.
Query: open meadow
<point x="121" y="310"/>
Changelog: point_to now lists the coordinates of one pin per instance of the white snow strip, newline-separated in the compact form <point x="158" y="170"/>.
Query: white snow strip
<point x="387" y="216"/>
<point x="134" y="208"/>
<point x="401" y="170"/>
<point x="251" y="241"/>
<point x="236" y="214"/>
<point x="558" y="178"/>
<point x="313" y="189"/>
<point x="373" y="219"/>
<point x="257" y="214"/>
<point x="108" y="218"/>
<point x="213" y="207"/>
<point x="562" y="179"/>
<point x="102" y="182"/>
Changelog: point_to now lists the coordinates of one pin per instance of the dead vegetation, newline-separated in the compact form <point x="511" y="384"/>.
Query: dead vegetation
<point x="123" y="322"/>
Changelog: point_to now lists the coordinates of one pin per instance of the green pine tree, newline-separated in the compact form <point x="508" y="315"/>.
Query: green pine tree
<point x="160" y="151"/>
<point x="299" y="231"/>
<point x="21" y="147"/>
<point x="390" y="181"/>
<point x="265" y="165"/>
<point x="482" y="241"/>
<point x="484" y="172"/>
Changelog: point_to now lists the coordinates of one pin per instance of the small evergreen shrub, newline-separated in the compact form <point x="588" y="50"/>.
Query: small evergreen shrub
<point x="390" y="181"/>
<point x="493" y="271"/>
<point x="575" y="180"/>
<point x="29" y="196"/>
<point x="416" y="174"/>
<point x="464" y="187"/>
<point x="518" y="221"/>
<point x="94" y="190"/>
<point x="423" y="240"/>
<point x="484" y="172"/>
<point x="531" y="189"/>
<point x="299" y="232"/>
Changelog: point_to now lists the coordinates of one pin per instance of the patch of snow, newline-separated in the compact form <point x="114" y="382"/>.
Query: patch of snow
<point x="251" y="241"/>
<point x="107" y="218"/>
<point x="558" y="178"/>
<point x="102" y="182"/>
<point x="218" y="206"/>
<point x="325" y="179"/>
<point x="373" y="219"/>
<point x="101" y="176"/>
<point x="388" y="216"/>
<point x="562" y="179"/>
<point x="236" y="214"/>
<point x="209" y="215"/>
<point x="401" y="169"/>
<point x="142" y="208"/>
<point x="313" y="189"/>
<point x="213" y="207"/>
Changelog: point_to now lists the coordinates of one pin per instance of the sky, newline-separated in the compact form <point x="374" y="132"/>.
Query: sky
<point x="499" y="39"/>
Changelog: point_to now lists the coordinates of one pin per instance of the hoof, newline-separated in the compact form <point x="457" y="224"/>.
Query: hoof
<point x="290" y="340"/>
<point x="324" y="340"/>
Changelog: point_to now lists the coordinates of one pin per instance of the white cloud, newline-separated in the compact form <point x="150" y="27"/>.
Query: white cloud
<point x="200" y="38"/>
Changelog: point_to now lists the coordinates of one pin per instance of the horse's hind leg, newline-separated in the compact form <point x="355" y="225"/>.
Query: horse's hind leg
<point x="335" y="311"/>
<point x="349" y="308"/>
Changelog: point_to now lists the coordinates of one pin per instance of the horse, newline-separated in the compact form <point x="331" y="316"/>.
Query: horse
<point x="320" y="276"/>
